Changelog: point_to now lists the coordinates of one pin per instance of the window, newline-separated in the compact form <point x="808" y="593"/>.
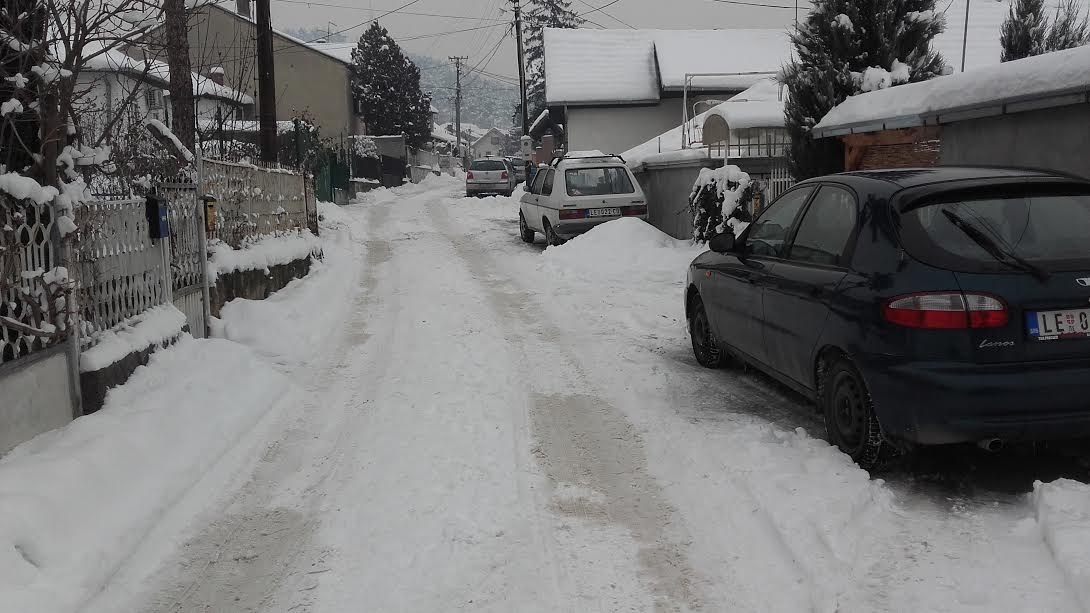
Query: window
<point x="598" y="181"/>
<point x="767" y="235"/>
<point x="1045" y="228"/>
<point x="825" y="228"/>
<point x="539" y="178"/>
<point x="488" y="165"/>
<point x="153" y="98"/>
<point x="547" y="187"/>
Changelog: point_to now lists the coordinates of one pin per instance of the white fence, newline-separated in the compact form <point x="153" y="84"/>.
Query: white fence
<point x="252" y="201"/>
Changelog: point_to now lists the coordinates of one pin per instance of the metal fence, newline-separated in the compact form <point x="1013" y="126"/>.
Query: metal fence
<point x="254" y="201"/>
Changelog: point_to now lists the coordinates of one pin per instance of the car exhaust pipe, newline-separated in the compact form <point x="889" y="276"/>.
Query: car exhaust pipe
<point x="991" y="445"/>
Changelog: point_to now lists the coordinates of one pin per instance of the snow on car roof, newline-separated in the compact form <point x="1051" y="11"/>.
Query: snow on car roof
<point x="914" y="104"/>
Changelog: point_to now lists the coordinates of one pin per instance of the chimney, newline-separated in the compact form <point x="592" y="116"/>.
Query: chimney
<point x="216" y="74"/>
<point x="243" y="8"/>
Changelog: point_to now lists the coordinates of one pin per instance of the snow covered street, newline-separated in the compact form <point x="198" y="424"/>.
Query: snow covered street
<point x="443" y="418"/>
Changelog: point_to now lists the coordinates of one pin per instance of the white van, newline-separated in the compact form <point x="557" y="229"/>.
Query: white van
<point x="576" y="193"/>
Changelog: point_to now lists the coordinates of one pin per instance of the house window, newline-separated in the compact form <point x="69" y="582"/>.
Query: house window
<point x="154" y="98"/>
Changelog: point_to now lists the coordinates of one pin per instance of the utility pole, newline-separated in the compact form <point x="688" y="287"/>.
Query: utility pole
<point x="181" y="81"/>
<point x="266" y="82"/>
<point x="522" y="68"/>
<point x="965" y="36"/>
<point x="458" y="102"/>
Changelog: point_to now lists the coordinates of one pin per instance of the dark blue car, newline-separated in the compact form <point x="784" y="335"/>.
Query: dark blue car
<point x="925" y="306"/>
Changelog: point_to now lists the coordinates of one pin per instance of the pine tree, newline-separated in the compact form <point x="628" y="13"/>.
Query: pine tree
<point x="1068" y="30"/>
<point x="846" y="47"/>
<point x="386" y="87"/>
<point x="1023" y="33"/>
<point x="540" y="15"/>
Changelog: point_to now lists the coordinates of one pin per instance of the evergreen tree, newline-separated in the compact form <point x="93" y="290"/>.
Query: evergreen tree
<point x="1023" y="33"/>
<point x="846" y="47"/>
<point x="1068" y="30"/>
<point x="540" y="15"/>
<point x="386" y="88"/>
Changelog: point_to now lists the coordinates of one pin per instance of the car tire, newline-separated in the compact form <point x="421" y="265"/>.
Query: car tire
<point x="550" y="235"/>
<point x="525" y="231"/>
<point x="850" y="421"/>
<point x="705" y="347"/>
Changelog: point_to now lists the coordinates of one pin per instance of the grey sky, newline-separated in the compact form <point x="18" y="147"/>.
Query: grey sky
<point x="478" y="44"/>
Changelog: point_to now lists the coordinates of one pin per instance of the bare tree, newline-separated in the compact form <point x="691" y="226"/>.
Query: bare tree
<point x="181" y="80"/>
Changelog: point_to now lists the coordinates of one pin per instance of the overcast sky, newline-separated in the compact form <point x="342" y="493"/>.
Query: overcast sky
<point x="480" y="43"/>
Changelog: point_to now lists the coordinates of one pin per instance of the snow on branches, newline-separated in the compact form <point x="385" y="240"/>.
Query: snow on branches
<point x="719" y="202"/>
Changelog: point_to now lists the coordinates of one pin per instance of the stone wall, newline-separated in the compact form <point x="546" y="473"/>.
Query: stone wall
<point x="255" y="284"/>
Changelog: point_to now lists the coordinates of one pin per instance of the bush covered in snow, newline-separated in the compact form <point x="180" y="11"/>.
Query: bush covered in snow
<point x="720" y="201"/>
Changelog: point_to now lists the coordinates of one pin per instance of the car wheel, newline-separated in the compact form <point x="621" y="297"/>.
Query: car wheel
<point x="705" y="347"/>
<point x="550" y="235"/>
<point x="850" y="421"/>
<point x="524" y="230"/>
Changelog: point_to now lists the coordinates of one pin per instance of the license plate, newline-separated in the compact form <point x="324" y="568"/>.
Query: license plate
<point x="1057" y="325"/>
<point x="603" y="212"/>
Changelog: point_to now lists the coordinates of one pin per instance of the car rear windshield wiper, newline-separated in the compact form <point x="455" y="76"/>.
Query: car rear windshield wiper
<point x="987" y="243"/>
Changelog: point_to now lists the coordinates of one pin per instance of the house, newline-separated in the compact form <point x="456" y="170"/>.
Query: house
<point x="615" y="89"/>
<point x="492" y="143"/>
<point x="1031" y="112"/>
<point x="309" y="80"/>
<point x="110" y="80"/>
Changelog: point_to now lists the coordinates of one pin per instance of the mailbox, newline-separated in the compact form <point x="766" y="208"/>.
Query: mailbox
<point x="526" y="146"/>
<point x="209" y="213"/>
<point x="158" y="221"/>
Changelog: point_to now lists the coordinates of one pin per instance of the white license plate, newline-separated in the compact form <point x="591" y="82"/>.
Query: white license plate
<point x="603" y="212"/>
<point x="1055" y="325"/>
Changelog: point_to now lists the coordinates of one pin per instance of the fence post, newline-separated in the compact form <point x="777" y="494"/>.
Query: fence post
<point x="202" y="242"/>
<point x="67" y="259"/>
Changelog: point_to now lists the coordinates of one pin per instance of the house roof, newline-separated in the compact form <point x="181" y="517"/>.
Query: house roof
<point x="1043" y="81"/>
<point x="487" y="134"/>
<point x="585" y="66"/>
<point x="316" y="47"/>
<point x="339" y="51"/>
<point x="111" y="61"/>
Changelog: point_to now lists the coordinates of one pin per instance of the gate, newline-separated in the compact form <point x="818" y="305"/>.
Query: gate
<point x="188" y="254"/>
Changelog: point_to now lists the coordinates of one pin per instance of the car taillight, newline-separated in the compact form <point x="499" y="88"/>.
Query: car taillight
<point x="469" y="175"/>
<point x="634" y="210"/>
<point x="946" y="311"/>
<point x="573" y="213"/>
<point x="504" y="176"/>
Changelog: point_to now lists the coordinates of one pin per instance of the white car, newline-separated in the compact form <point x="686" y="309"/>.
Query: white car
<point x="490" y="176"/>
<point x="576" y="193"/>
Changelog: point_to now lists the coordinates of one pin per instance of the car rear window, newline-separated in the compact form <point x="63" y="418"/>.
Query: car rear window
<point x="1048" y="230"/>
<point x="486" y="165"/>
<point x="603" y="181"/>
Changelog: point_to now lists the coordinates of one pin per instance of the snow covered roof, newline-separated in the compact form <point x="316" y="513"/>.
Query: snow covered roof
<point x="599" y="66"/>
<point x="438" y="133"/>
<point x="339" y="51"/>
<point x="159" y="73"/>
<point x="487" y="134"/>
<point x="585" y="66"/>
<point x="1042" y="81"/>
<point x="318" y="47"/>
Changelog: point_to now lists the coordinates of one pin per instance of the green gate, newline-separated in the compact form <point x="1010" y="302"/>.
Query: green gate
<point x="331" y="181"/>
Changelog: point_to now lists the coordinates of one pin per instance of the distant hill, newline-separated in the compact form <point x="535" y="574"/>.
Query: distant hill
<point x="485" y="102"/>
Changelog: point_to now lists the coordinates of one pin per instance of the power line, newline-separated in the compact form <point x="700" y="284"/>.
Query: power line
<point x="360" y="8"/>
<point x="602" y="10"/>
<point x="743" y="3"/>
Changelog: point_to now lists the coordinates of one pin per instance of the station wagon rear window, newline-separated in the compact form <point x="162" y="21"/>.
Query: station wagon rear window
<point x="488" y="165"/>
<point x="1047" y="230"/>
<point x="604" y="181"/>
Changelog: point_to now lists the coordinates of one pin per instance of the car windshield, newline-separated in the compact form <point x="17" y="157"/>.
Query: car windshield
<point x="1046" y="231"/>
<point x="487" y="165"/>
<point x="603" y="181"/>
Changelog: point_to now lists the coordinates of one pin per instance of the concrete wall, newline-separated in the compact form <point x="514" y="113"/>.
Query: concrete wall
<point x="616" y="129"/>
<point x="1056" y="138"/>
<point x="667" y="187"/>
<point x="37" y="396"/>
<point x="306" y="79"/>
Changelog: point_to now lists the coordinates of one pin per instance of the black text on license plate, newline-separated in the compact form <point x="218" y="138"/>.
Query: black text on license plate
<point x="603" y="212"/>
<point x="1055" y="325"/>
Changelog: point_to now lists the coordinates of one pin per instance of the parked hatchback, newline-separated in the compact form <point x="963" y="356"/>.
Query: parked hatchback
<point x="576" y="193"/>
<point x="927" y="306"/>
<point x="490" y="176"/>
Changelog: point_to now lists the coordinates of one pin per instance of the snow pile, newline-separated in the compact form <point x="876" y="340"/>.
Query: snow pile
<point x="76" y="502"/>
<point x="845" y="22"/>
<point x="22" y="188"/>
<point x="295" y="322"/>
<point x="875" y="78"/>
<point x="622" y="249"/>
<point x="1063" y="514"/>
<point x="263" y="253"/>
<point x="155" y="327"/>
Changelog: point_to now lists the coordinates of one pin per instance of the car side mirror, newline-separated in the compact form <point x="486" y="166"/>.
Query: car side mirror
<point x="722" y="243"/>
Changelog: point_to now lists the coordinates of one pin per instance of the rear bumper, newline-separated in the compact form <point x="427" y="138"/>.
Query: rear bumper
<point x="569" y="229"/>
<point x="943" y="402"/>
<point x="487" y="188"/>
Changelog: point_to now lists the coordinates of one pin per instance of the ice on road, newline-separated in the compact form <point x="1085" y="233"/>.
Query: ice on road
<point x="481" y="424"/>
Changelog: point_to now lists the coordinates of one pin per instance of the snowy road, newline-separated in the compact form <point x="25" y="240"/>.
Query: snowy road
<point x="492" y="426"/>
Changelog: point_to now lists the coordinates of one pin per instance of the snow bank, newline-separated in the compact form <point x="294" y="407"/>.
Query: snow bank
<point x="156" y="326"/>
<point x="622" y="249"/>
<point x="1063" y="514"/>
<point x="76" y="502"/>
<point x="263" y="253"/>
<point x="294" y="323"/>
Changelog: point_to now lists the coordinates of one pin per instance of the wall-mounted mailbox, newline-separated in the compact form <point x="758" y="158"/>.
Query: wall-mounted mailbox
<point x="158" y="221"/>
<point x="209" y="213"/>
